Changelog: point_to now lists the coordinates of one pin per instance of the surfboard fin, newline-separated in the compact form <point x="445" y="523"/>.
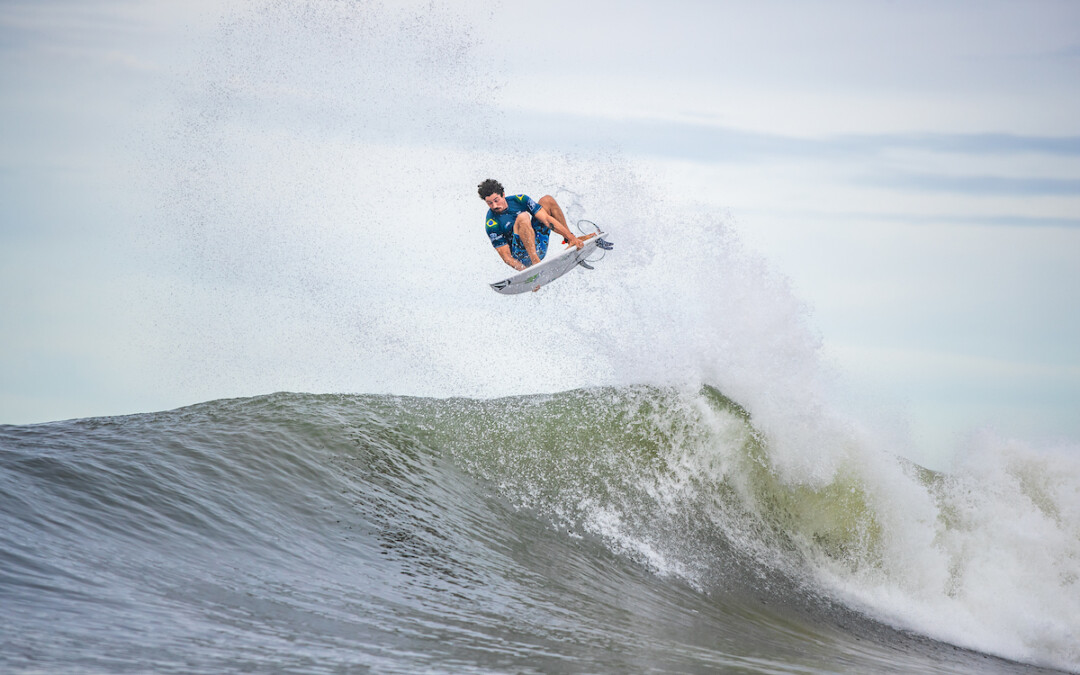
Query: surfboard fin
<point x="604" y="244"/>
<point x="585" y="265"/>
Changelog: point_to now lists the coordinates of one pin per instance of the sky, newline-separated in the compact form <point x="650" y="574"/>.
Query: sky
<point x="207" y="199"/>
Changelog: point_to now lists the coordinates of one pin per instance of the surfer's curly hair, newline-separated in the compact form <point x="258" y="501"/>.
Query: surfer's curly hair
<point x="489" y="187"/>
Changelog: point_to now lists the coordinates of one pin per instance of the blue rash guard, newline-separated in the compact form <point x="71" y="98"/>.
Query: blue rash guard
<point x="500" y="228"/>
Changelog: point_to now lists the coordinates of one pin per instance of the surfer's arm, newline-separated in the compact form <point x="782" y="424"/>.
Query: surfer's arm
<point x="504" y="253"/>
<point x="546" y="218"/>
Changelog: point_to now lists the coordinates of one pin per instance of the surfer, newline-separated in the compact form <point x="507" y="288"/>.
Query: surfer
<point x="519" y="227"/>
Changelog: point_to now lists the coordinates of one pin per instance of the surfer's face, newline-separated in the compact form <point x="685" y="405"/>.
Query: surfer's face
<point x="496" y="202"/>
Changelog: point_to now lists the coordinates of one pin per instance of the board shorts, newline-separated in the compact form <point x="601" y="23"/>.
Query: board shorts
<point x="540" y="233"/>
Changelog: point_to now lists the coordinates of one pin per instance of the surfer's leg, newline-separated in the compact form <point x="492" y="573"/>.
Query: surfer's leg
<point x="552" y="207"/>
<point x="523" y="228"/>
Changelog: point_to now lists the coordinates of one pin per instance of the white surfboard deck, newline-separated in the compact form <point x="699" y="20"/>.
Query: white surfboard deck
<point x="553" y="266"/>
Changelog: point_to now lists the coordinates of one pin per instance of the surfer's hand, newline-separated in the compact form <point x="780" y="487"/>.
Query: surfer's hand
<point x="577" y="242"/>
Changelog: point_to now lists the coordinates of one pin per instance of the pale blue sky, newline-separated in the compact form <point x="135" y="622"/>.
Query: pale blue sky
<point x="192" y="193"/>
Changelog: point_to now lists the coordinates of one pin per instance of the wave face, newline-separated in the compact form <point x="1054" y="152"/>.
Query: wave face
<point x="630" y="529"/>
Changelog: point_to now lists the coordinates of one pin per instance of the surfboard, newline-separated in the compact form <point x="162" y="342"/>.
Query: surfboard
<point x="551" y="267"/>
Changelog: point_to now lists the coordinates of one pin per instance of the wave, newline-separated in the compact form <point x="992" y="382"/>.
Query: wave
<point x="607" y="529"/>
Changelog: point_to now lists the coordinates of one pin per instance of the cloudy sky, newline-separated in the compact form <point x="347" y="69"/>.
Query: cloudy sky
<point x="208" y="199"/>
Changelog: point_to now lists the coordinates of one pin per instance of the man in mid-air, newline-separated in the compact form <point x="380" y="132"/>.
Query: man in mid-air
<point x="518" y="227"/>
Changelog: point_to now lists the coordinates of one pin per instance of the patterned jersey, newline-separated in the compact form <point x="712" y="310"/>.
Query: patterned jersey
<point x="500" y="226"/>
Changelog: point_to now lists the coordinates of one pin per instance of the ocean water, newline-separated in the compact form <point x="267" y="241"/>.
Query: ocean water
<point x="600" y="530"/>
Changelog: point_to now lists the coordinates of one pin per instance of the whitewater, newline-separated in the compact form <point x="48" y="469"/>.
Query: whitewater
<point x="651" y="467"/>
